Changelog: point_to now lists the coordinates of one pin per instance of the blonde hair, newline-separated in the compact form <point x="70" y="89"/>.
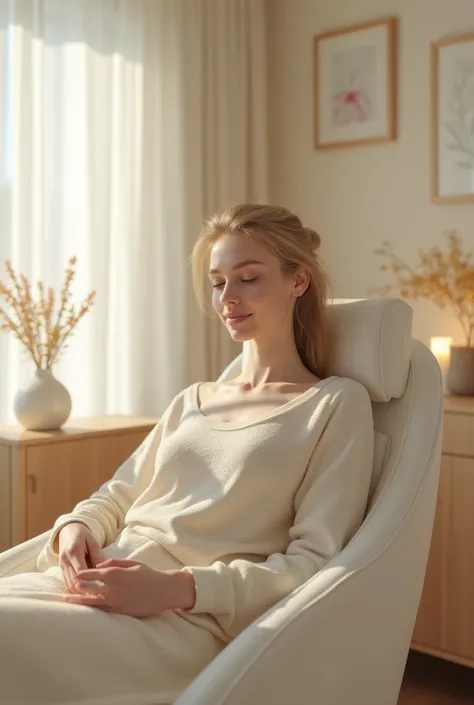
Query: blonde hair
<point x="295" y="246"/>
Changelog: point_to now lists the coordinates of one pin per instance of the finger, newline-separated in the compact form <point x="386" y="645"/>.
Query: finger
<point x="97" y="604"/>
<point x="66" y="579"/>
<point x="92" y="586"/>
<point x="86" y="599"/>
<point x="118" y="562"/>
<point x="95" y="554"/>
<point x="69" y="575"/>
<point x="78" y="562"/>
<point x="91" y="574"/>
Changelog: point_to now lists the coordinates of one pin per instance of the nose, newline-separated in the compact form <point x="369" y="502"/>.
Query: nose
<point x="229" y="294"/>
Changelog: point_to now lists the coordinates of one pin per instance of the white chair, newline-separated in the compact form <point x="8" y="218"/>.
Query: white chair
<point x="343" y="637"/>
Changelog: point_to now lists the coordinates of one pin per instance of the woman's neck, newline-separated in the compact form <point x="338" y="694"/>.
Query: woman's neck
<point x="276" y="364"/>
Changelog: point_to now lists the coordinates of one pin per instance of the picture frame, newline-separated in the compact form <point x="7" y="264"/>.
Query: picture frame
<point x="355" y="85"/>
<point x="452" y="119"/>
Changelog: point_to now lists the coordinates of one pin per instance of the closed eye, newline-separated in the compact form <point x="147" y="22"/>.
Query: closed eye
<point x="219" y="285"/>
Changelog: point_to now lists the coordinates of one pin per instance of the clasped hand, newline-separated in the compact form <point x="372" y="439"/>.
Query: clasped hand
<point x="116" y="585"/>
<point x="132" y="588"/>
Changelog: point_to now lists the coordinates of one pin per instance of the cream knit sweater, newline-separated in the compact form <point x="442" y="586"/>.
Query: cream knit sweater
<point x="254" y="508"/>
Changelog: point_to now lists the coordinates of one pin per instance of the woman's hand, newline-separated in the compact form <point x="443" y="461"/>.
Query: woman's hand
<point x="132" y="588"/>
<point x="77" y="550"/>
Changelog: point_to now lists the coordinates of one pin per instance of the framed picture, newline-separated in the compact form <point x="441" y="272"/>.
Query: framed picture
<point x="355" y="85"/>
<point x="452" y="120"/>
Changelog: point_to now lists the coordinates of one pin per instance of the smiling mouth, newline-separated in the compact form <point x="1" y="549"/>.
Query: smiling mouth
<point x="237" y="319"/>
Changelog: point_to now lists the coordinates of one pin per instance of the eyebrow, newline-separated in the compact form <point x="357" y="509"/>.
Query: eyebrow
<point x="239" y="265"/>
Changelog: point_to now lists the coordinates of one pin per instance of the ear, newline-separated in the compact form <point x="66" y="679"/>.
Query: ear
<point x="300" y="282"/>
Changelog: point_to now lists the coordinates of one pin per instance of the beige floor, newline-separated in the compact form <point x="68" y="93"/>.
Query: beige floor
<point x="430" y="681"/>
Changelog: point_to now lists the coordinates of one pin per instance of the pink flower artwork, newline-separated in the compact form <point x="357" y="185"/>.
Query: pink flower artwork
<point x="353" y="87"/>
<point x="352" y="105"/>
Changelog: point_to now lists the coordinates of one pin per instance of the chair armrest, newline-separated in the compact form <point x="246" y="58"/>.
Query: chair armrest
<point x="265" y="652"/>
<point x="328" y="640"/>
<point x="22" y="558"/>
<point x="343" y="637"/>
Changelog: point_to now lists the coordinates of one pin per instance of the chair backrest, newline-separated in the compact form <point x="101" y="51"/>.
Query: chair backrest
<point x="372" y="344"/>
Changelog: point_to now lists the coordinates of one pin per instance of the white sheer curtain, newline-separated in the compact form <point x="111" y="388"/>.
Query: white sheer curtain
<point x="122" y="124"/>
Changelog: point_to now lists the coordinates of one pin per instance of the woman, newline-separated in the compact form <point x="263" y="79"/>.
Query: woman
<point x="242" y="492"/>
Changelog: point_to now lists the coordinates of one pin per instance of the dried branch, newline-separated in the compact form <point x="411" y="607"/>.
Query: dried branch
<point x="33" y="322"/>
<point x="445" y="278"/>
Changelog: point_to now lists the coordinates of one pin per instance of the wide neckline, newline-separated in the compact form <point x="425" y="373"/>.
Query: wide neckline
<point x="278" y="411"/>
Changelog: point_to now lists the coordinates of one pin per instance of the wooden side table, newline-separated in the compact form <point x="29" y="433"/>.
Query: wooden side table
<point x="445" y="622"/>
<point x="43" y="475"/>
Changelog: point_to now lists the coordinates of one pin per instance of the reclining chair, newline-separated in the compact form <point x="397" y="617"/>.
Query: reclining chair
<point x="344" y="636"/>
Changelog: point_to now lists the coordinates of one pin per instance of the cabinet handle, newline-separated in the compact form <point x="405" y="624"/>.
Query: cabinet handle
<point x="32" y="479"/>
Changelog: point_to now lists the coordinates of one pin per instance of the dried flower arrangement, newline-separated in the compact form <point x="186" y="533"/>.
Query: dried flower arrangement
<point x="34" y="323"/>
<point x="445" y="278"/>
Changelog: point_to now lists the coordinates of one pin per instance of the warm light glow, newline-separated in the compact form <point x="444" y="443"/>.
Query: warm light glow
<point x="441" y="346"/>
<point x="441" y="349"/>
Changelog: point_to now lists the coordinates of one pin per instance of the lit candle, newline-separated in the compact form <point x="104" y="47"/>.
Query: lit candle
<point x="441" y="349"/>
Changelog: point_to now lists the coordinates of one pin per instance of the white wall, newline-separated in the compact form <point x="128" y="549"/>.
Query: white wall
<point x="358" y="197"/>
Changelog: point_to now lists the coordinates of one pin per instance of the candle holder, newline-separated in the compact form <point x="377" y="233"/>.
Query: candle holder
<point x="441" y="346"/>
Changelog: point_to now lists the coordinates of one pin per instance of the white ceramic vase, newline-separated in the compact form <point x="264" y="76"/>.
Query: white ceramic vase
<point x="43" y="403"/>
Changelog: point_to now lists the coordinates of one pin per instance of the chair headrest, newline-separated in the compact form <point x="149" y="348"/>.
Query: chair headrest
<point x="371" y="343"/>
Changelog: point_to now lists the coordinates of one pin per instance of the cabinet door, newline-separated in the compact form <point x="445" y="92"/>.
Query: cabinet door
<point x="5" y="498"/>
<point x="446" y="614"/>
<point x="428" y="628"/>
<point x="59" y="475"/>
<point x="109" y="452"/>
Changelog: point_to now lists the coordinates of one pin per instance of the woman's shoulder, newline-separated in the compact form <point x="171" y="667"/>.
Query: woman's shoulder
<point x="179" y="403"/>
<point x="348" y="388"/>
<point x="346" y="396"/>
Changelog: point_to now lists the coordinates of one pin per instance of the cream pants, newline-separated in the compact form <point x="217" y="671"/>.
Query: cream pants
<point x="54" y="652"/>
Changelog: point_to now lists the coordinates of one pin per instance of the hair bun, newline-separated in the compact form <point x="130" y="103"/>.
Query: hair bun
<point x="313" y="238"/>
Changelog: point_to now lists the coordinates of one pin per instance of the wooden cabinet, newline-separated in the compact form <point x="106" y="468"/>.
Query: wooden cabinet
<point x="445" y="622"/>
<point x="43" y="475"/>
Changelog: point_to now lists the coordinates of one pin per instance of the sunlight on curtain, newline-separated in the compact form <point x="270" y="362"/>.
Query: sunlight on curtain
<point x="73" y="82"/>
<point x="122" y="125"/>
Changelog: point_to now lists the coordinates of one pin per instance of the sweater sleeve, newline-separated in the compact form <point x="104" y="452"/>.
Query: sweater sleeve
<point x="104" y="511"/>
<point x="330" y="505"/>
